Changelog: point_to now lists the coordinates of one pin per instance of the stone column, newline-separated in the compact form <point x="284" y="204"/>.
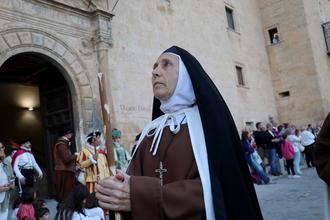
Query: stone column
<point x="102" y="42"/>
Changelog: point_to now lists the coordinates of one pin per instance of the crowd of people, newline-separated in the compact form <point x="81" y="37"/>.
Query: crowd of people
<point x="18" y="173"/>
<point x="75" y="177"/>
<point x="278" y="147"/>
<point x="78" y="173"/>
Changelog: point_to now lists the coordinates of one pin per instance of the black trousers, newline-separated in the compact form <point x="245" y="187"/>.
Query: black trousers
<point x="29" y="180"/>
<point x="29" y="177"/>
<point x="289" y="167"/>
<point x="309" y="155"/>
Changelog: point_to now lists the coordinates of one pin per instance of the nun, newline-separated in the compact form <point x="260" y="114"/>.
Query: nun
<point x="188" y="163"/>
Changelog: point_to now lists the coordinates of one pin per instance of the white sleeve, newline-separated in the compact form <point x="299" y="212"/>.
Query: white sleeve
<point x="95" y="212"/>
<point x="115" y="154"/>
<point x="16" y="168"/>
<point x="78" y="216"/>
<point x="100" y="212"/>
<point x="35" y="165"/>
<point x="90" y="157"/>
<point x="312" y="136"/>
<point x="295" y="138"/>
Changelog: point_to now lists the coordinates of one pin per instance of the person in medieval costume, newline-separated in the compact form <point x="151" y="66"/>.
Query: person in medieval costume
<point x="188" y="163"/>
<point x="25" y="167"/>
<point x="92" y="159"/>
<point x="65" y="166"/>
<point x="121" y="155"/>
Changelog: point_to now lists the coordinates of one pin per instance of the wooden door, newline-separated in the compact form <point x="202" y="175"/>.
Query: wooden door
<point x="56" y="106"/>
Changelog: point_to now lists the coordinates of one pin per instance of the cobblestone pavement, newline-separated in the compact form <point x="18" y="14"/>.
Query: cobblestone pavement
<point x="293" y="199"/>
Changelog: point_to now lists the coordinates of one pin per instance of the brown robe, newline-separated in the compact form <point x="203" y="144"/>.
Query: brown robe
<point x="322" y="151"/>
<point x="181" y="196"/>
<point x="65" y="165"/>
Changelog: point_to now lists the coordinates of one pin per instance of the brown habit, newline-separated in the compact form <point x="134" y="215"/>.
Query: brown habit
<point x="65" y="164"/>
<point x="181" y="196"/>
<point x="322" y="151"/>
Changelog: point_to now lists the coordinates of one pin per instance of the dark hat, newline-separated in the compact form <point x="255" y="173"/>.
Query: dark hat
<point x="92" y="135"/>
<point x="23" y="141"/>
<point x="65" y="131"/>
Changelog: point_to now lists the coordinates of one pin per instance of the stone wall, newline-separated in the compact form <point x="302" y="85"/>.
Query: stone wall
<point x="317" y="13"/>
<point x="293" y="65"/>
<point x="141" y="30"/>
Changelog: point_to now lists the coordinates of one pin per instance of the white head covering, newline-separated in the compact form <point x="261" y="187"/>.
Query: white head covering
<point x="183" y="96"/>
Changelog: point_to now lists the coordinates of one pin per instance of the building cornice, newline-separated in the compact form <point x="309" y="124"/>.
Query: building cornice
<point x="69" y="8"/>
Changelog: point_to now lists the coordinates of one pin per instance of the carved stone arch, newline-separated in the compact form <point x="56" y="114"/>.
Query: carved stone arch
<point x="19" y="40"/>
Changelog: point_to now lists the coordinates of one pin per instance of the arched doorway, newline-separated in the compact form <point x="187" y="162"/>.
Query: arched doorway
<point x="37" y="105"/>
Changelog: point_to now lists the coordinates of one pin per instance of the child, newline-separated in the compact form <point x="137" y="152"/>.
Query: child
<point x="38" y="204"/>
<point x="73" y="207"/>
<point x="25" y="209"/>
<point x="42" y="213"/>
<point x="288" y="154"/>
<point x="92" y="208"/>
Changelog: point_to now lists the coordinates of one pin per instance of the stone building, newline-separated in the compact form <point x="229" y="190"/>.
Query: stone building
<point x="299" y="62"/>
<point x="51" y="52"/>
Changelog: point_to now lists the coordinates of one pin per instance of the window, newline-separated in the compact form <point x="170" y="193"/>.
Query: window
<point x="240" y="77"/>
<point x="326" y="32"/>
<point x="249" y="125"/>
<point x="230" y="18"/>
<point x="273" y="36"/>
<point x="284" y="94"/>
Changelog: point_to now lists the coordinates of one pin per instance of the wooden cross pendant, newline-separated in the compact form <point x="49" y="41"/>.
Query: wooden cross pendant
<point x="161" y="170"/>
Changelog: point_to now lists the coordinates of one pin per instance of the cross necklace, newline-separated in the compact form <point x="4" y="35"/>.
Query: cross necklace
<point x="162" y="170"/>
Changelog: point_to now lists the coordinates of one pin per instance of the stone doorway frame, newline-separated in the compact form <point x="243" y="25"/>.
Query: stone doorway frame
<point x="20" y="40"/>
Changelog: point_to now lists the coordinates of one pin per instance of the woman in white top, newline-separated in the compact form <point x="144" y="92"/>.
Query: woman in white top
<point x="308" y="140"/>
<point x="72" y="208"/>
<point x="296" y="143"/>
<point x="6" y="183"/>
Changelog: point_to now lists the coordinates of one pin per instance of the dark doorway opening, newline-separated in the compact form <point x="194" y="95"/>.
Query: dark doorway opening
<point x="36" y="104"/>
<point x="273" y="35"/>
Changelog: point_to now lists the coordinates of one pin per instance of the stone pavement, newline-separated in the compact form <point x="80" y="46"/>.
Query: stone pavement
<point x="293" y="199"/>
<point x="288" y="199"/>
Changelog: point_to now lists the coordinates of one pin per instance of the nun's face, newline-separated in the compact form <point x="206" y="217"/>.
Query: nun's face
<point x="165" y="76"/>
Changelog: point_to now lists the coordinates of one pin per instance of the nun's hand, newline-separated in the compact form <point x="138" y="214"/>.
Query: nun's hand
<point x="114" y="192"/>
